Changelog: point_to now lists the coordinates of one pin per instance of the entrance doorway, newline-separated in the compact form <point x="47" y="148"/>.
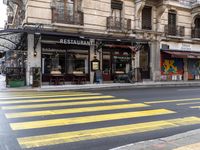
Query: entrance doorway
<point x="116" y="62"/>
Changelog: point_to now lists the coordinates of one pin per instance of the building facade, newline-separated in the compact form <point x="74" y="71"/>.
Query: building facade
<point x="158" y="39"/>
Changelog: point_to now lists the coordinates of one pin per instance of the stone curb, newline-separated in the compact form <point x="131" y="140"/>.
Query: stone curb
<point x="167" y="143"/>
<point x="101" y="87"/>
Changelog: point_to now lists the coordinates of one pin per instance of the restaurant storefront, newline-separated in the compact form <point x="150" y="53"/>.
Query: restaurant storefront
<point x="67" y="58"/>
<point x="70" y="58"/>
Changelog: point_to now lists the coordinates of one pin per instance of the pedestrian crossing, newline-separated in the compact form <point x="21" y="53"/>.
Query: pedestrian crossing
<point x="42" y="111"/>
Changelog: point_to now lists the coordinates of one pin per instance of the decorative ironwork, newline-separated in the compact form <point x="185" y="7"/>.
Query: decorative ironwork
<point x="175" y="30"/>
<point x="9" y="41"/>
<point x="115" y="23"/>
<point x="58" y="17"/>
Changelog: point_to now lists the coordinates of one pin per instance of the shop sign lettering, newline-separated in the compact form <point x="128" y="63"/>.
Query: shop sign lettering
<point x="122" y="57"/>
<point x="76" y="42"/>
<point x="185" y="46"/>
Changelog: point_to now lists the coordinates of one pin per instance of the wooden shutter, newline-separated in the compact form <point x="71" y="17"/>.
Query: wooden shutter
<point x="172" y="23"/>
<point x="146" y="18"/>
<point x="172" y="19"/>
<point x="116" y="4"/>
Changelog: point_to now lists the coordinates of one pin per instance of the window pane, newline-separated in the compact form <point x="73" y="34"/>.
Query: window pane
<point x="77" y="61"/>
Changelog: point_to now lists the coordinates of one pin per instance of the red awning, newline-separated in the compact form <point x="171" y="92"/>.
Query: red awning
<point x="182" y="54"/>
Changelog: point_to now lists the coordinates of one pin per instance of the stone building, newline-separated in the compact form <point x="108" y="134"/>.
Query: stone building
<point x="158" y="39"/>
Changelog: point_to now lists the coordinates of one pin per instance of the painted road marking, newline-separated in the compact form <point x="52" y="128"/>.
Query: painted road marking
<point x="75" y="136"/>
<point x="188" y="103"/>
<point x="106" y="101"/>
<point x="56" y="99"/>
<point x="73" y="110"/>
<point x="47" y="96"/>
<point x="86" y="119"/>
<point x="195" y="107"/>
<point x="171" y="101"/>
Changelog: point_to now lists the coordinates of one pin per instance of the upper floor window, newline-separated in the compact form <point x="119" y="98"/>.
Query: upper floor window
<point x="196" y="28"/>
<point x="116" y="14"/>
<point x="67" y="11"/>
<point x="172" y="22"/>
<point x="147" y="18"/>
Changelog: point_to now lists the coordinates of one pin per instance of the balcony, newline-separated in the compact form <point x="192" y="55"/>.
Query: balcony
<point x="118" y="24"/>
<point x="59" y="16"/>
<point x="195" y="32"/>
<point x="175" y="30"/>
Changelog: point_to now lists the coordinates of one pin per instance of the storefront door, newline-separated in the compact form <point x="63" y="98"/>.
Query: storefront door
<point x="106" y="65"/>
<point x="115" y="63"/>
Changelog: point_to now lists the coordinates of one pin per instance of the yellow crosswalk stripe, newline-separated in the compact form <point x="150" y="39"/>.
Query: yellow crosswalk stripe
<point x="195" y="107"/>
<point x="48" y="96"/>
<point x="56" y="99"/>
<point x="171" y="101"/>
<point x="106" y="101"/>
<point x="74" y="136"/>
<point x="73" y="110"/>
<point x="188" y="103"/>
<point x="86" y="119"/>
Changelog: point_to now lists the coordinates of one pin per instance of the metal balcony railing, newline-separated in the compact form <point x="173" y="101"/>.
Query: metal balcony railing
<point x="195" y="32"/>
<point x="175" y="30"/>
<point x="59" y="16"/>
<point x="115" y="23"/>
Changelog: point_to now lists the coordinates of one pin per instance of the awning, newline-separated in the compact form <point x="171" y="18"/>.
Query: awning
<point x="183" y="54"/>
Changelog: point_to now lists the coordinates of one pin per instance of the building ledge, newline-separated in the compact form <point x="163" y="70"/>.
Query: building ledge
<point x="175" y="37"/>
<point x="68" y="25"/>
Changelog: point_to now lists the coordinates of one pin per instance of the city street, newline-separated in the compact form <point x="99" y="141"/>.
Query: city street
<point x="95" y="120"/>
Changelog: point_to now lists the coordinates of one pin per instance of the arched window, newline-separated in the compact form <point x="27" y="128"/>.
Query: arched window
<point x="197" y="22"/>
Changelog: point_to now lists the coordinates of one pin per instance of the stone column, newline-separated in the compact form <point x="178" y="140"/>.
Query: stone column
<point x="185" y="75"/>
<point x="32" y="61"/>
<point x="155" y="60"/>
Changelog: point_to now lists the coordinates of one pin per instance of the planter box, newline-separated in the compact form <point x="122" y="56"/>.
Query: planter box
<point x="16" y="83"/>
<point x="36" y="83"/>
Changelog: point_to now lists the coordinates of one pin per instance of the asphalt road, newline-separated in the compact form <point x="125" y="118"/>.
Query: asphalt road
<point x="95" y="120"/>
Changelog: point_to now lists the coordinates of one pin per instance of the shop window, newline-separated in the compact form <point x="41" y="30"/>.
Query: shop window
<point x="77" y="62"/>
<point x="147" y="18"/>
<point x="53" y="62"/>
<point x="79" y="65"/>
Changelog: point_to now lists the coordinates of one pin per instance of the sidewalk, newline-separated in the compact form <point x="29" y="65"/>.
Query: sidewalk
<point x="185" y="141"/>
<point x="105" y="86"/>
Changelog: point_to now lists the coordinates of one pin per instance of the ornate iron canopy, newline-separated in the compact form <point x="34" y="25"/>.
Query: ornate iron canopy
<point x="11" y="40"/>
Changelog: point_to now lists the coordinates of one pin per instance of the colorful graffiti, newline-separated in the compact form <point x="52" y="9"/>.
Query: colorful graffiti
<point x="193" y="67"/>
<point x="172" y="66"/>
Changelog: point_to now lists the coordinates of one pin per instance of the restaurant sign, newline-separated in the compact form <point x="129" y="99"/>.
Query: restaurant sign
<point x="76" y="42"/>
